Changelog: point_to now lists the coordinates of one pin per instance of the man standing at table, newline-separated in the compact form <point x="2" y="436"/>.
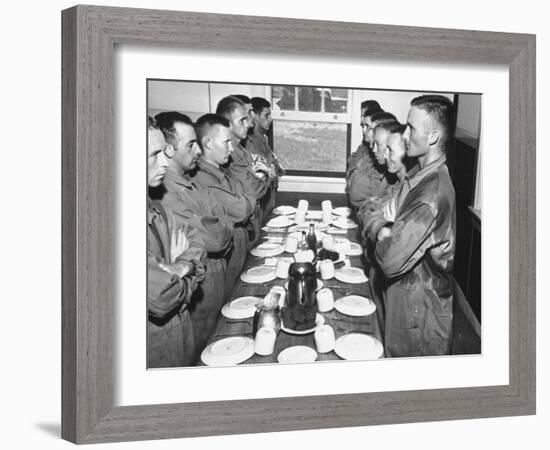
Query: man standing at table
<point x="363" y="151"/>
<point x="216" y="143"/>
<point x="416" y="252"/>
<point x="258" y="144"/>
<point x="192" y="205"/>
<point x="174" y="269"/>
<point x="366" y="181"/>
<point x="248" y="175"/>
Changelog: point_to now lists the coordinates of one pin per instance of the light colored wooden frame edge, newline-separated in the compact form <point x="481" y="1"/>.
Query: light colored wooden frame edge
<point x="89" y="36"/>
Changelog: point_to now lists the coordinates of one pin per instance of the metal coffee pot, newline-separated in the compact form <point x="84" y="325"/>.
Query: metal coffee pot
<point x="302" y="285"/>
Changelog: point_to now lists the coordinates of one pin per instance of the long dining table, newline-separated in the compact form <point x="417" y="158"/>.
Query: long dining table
<point x="342" y="324"/>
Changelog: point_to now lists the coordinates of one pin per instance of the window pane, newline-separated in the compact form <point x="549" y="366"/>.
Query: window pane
<point x="336" y="101"/>
<point x="309" y="99"/>
<point x="283" y="98"/>
<point x="314" y="146"/>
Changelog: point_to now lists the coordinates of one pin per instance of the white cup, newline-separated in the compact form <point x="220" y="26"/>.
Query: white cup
<point x="291" y="245"/>
<point x="329" y="243"/>
<point x="326" y="267"/>
<point x="281" y="269"/>
<point x="326" y="217"/>
<point x="342" y="246"/>
<point x="325" y="300"/>
<point x="324" y="339"/>
<point x="264" y="343"/>
<point x="326" y="205"/>
<point x="300" y="217"/>
<point x="303" y="205"/>
<point x="279" y="292"/>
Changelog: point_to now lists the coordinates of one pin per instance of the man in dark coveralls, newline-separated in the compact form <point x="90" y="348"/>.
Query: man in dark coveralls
<point x="175" y="257"/>
<point x="416" y="251"/>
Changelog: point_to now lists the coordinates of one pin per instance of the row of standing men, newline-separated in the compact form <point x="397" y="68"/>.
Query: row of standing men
<point x="212" y="184"/>
<point x="399" y="185"/>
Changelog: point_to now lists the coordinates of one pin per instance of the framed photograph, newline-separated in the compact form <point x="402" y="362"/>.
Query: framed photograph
<point x="120" y="65"/>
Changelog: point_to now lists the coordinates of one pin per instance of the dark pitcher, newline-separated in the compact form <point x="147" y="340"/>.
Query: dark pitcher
<point x="301" y="305"/>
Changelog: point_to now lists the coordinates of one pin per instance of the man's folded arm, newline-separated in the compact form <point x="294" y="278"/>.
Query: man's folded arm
<point x="409" y="240"/>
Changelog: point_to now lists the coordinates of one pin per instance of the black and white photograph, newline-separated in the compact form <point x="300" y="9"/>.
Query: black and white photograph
<point x="295" y="224"/>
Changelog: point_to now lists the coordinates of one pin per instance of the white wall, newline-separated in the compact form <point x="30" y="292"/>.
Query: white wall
<point x="31" y="238"/>
<point x="469" y="115"/>
<point x="195" y="98"/>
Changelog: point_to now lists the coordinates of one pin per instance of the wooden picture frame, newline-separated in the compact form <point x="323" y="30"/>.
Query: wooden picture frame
<point x="89" y="37"/>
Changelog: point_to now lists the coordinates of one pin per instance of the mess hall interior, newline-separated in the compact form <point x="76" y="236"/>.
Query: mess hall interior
<point x="294" y="224"/>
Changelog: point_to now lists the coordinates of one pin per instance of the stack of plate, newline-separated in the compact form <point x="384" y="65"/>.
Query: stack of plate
<point x="358" y="347"/>
<point x="228" y="352"/>
<point x="355" y="305"/>
<point x="352" y="275"/>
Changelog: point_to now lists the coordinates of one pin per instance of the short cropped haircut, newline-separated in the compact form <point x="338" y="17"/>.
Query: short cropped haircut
<point x="259" y="103"/>
<point x="371" y="105"/>
<point x="166" y="122"/>
<point x="152" y="123"/>
<point x="206" y="123"/>
<point x="382" y="117"/>
<point x="227" y="105"/>
<point x="243" y="98"/>
<point x="372" y="112"/>
<point x="391" y="127"/>
<point x="442" y="112"/>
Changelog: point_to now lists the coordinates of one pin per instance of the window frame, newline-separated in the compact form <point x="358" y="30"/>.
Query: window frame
<point x="309" y="116"/>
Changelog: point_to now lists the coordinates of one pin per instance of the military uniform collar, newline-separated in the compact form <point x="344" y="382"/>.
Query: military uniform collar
<point x="173" y="175"/>
<point x="416" y="174"/>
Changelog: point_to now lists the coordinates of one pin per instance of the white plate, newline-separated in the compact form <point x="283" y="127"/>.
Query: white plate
<point x="297" y="354"/>
<point x="342" y="211"/>
<point x="355" y="249"/>
<point x="358" y="347"/>
<point x="260" y="274"/>
<point x="318" y="226"/>
<point x="334" y="230"/>
<point x="267" y="249"/>
<point x="241" y="308"/>
<point x="304" y="256"/>
<point x="319" y="320"/>
<point x="319" y="285"/>
<point x="355" y="305"/>
<point x="315" y="215"/>
<point x="284" y="210"/>
<point x="352" y="275"/>
<point x="228" y="351"/>
<point x="344" y="223"/>
<point x="279" y="222"/>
